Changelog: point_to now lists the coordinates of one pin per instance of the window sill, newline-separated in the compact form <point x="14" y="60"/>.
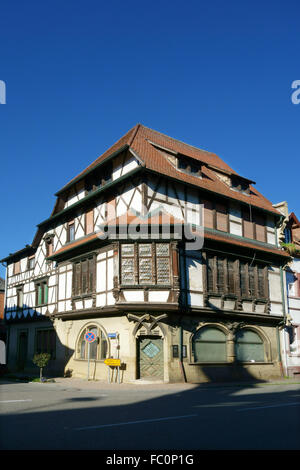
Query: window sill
<point x="78" y="359"/>
<point x="145" y="286"/>
<point x="83" y="296"/>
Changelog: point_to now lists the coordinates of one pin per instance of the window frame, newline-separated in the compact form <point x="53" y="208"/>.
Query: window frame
<point x="246" y="286"/>
<point x="41" y="283"/>
<point x="90" y="276"/>
<point x="262" y="342"/>
<point x="193" y="340"/>
<point x="20" y="297"/>
<point x="71" y="230"/>
<point x="101" y="333"/>
<point x="136" y="257"/>
<point x="50" y="331"/>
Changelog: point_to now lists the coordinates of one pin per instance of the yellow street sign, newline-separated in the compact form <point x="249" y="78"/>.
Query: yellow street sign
<point x="113" y="362"/>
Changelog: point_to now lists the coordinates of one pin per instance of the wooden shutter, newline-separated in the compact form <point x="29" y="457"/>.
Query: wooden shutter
<point x="89" y="222"/>
<point x="91" y="274"/>
<point x="220" y="275"/>
<point x="77" y="279"/>
<point x="84" y="276"/>
<point x="210" y="273"/>
<point x="261" y="282"/>
<point x="247" y="224"/>
<point x="260" y="227"/>
<point x="17" y="267"/>
<point x="222" y="218"/>
<point x="251" y="273"/>
<point x="208" y="214"/>
<point x="243" y="278"/>
<point x="231" y="276"/>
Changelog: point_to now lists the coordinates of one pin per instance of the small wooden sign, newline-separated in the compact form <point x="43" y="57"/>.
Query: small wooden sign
<point x="113" y="362"/>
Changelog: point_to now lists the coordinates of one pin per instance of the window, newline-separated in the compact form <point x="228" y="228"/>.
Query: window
<point x="221" y="275"/>
<point x="253" y="279"/>
<point x="45" y="341"/>
<point x="215" y="215"/>
<point x="84" y="273"/>
<point x="209" y="345"/>
<point x="239" y="184"/>
<point x="17" y="267"/>
<point x="71" y="231"/>
<point x="221" y="217"/>
<point x="41" y="291"/>
<point x="249" y="347"/>
<point x="254" y="225"/>
<point x="145" y="263"/>
<point x="224" y="277"/>
<point x="31" y="262"/>
<point x="49" y="245"/>
<point x="98" y="349"/>
<point x="20" y="296"/>
<point x="189" y="165"/>
<point x="89" y="222"/>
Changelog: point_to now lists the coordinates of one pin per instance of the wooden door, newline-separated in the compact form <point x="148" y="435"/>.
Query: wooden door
<point x="150" y="357"/>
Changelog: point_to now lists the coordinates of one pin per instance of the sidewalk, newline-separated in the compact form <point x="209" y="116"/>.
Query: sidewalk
<point x="81" y="383"/>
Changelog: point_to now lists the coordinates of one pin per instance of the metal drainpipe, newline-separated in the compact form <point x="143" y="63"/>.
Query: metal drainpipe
<point x="284" y="317"/>
<point x="180" y="324"/>
<point x="4" y="315"/>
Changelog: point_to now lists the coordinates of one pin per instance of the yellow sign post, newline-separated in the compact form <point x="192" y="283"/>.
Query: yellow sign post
<point x="113" y="363"/>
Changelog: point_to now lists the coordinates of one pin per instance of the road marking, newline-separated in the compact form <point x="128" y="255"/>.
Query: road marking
<point x="134" y="422"/>
<point x="269" y="406"/>
<point x="13" y="401"/>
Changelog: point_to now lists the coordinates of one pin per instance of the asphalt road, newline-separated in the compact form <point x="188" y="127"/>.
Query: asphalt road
<point x="173" y="416"/>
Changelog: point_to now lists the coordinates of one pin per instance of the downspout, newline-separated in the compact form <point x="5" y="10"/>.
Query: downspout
<point x="284" y="320"/>
<point x="4" y="314"/>
<point x="180" y="323"/>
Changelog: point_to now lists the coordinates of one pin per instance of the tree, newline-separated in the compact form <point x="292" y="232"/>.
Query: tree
<point x="41" y="360"/>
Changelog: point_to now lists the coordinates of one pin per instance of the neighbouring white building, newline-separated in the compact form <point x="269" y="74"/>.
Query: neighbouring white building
<point x="289" y="235"/>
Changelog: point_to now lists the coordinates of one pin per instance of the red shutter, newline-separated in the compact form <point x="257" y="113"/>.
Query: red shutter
<point x="89" y="222"/>
<point x="247" y="224"/>
<point x="208" y="214"/>
<point x="222" y="218"/>
<point x="260" y="227"/>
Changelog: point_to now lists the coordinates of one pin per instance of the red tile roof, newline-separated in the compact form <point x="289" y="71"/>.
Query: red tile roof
<point x="139" y="139"/>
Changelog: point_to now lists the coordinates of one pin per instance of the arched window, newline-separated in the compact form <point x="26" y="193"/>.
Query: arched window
<point x="249" y="346"/>
<point x="98" y="349"/>
<point x="209" y="345"/>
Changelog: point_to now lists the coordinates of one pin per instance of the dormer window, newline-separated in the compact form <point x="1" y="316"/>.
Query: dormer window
<point x="189" y="165"/>
<point x="99" y="178"/>
<point x="239" y="184"/>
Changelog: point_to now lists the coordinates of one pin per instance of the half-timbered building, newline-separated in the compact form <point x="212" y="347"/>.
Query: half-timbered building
<point x="167" y="308"/>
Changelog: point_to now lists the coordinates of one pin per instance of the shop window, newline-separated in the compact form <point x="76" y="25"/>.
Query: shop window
<point x="249" y="346"/>
<point x="209" y="345"/>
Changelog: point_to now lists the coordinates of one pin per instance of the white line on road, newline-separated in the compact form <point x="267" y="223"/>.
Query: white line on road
<point x="133" y="422"/>
<point x="269" y="406"/>
<point x="13" y="401"/>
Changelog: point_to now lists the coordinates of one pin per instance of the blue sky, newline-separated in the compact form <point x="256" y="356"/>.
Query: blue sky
<point x="79" y="74"/>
